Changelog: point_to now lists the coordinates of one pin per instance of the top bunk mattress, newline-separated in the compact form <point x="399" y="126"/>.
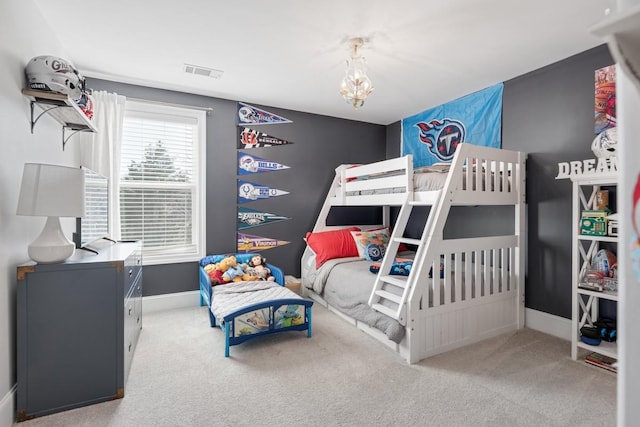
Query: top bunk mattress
<point x="428" y="178"/>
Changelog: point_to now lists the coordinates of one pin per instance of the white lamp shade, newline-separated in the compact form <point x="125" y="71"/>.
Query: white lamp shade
<point x="51" y="190"/>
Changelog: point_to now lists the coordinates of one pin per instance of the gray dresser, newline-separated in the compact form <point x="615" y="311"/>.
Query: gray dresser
<point x="78" y="323"/>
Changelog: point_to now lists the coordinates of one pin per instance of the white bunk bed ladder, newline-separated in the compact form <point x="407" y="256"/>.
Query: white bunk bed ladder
<point x="390" y="293"/>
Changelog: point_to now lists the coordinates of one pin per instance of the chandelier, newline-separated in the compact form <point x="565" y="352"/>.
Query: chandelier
<point x="356" y="86"/>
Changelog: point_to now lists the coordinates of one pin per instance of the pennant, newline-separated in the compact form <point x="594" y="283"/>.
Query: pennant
<point x="249" y="192"/>
<point x="248" y="164"/>
<point x="248" y="218"/>
<point x="433" y="135"/>
<point x="249" y="138"/>
<point x="248" y="243"/>
<point x="250" y="115"/>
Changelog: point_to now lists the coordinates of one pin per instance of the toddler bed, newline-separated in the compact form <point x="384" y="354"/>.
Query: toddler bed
<point x="479" y="291"/>
<point x="252" y="308"/>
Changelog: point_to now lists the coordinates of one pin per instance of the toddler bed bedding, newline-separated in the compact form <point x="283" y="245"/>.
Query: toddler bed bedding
<point x="234" y="296"/>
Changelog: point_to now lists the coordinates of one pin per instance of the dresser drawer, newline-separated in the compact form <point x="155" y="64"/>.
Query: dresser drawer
<point x="132" y="267"/>
<point x="132" y="314"/>
<point x="133" y="323"/>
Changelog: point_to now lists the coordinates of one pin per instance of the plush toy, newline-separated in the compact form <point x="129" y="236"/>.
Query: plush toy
<point x="216" y="277"/>
<point x="259" y="267"/>
<point x="214" y="274"/>
<point x="251" y="274"/>
<point x="226" y="263"/>
<point x="233" y="274"/>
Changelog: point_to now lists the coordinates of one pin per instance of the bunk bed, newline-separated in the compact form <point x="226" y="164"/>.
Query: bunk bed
<point x="457" y="290"/>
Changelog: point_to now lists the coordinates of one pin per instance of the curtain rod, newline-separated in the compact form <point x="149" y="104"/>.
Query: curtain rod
<point x="208" y="110"/>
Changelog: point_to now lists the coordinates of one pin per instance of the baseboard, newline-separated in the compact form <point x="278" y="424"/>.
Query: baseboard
<point x="7" y="408"/>
<point x="548" y="323"/>
<point x="165" y="302"/>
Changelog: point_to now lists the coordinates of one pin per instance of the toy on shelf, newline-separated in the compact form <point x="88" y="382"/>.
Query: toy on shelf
<point x="594" y="222"/>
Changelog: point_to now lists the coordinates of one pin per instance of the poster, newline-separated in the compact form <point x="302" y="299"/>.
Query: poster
<point x="288" y="315"/>
<point x="248" y="243"/>
<point x="433" y="135"/>
<point x="248" y="218"/>
<point x="249" y="192"/>
<point x="252" y="322"/>
<point x="250" y="164"/>
<point x="605" y="98"/>
<point x="249" y="138"/>
<point x="250" y="115"/>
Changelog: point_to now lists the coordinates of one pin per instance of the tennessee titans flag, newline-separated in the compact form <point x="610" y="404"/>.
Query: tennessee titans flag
<point x="433" y="135"/>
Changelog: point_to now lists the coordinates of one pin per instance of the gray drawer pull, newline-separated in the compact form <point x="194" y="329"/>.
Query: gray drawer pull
<point x="130" y="308"/>
<point x="130" y="273"/>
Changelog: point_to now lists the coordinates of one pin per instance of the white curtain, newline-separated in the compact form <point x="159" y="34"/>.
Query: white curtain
<point x="100" y="151"/>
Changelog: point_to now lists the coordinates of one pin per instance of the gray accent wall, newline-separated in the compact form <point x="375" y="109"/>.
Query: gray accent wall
<point x="320" y="144"/>
<point x="549" y="114"/>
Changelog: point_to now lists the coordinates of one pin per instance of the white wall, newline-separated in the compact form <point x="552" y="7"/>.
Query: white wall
<point x="23" y="35"/>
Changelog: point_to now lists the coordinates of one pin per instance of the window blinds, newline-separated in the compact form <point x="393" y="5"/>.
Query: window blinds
<point x="159" y="182"/>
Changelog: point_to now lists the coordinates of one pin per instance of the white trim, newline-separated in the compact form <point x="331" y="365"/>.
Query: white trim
<point x="165" y="302"/>
<point x="548" y="323"/>
<point x="7" y="405"/>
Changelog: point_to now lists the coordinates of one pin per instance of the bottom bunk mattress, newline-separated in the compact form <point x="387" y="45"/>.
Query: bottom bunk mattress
<point x="346" y="284"/>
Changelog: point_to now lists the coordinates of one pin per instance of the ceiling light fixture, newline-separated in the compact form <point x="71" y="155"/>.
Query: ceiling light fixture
<point x="356" y="86"/>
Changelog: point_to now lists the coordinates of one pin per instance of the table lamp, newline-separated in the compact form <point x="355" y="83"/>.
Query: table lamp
<point x="52" y="191"/>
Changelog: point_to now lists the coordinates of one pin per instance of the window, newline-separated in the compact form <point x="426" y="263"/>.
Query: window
<point x="162" y="180"/>
<point x="95" y="222"/>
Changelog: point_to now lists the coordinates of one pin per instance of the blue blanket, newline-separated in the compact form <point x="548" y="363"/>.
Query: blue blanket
<point x="402" y="267"/>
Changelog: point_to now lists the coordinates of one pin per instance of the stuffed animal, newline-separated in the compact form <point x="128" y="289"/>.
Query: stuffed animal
<point x="216" y="277"/>
<point x="260" y="269"/>
<point x="251" y="273"/>
<point x="233" y="274"/>
<point x="214" y="274"/>
<point x="226" y="263"/>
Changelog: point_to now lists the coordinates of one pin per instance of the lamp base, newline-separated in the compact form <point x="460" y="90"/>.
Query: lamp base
<point x="51" y="245"/>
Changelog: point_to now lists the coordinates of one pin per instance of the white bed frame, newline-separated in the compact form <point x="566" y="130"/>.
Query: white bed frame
<point x="481" y="294"/>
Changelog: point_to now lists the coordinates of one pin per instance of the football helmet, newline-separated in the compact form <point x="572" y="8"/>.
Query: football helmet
<point x="247" y="115"/>
<point x="53" y="74"/>
<point x="605" y="144"/>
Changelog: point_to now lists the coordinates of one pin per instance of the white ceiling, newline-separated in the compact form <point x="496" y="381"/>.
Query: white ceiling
<point x="291" y="53"/>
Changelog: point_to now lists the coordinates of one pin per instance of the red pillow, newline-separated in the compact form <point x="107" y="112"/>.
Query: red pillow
<point x="332" y="244"/>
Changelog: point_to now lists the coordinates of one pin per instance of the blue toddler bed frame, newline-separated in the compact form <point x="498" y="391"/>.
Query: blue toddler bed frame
<point x="271" y="312"/>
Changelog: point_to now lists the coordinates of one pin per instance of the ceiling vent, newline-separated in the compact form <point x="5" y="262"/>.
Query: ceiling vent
<point x="202" y="71"/>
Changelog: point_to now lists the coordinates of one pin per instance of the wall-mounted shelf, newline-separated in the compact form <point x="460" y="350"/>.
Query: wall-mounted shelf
<point x="61" y="108"/>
